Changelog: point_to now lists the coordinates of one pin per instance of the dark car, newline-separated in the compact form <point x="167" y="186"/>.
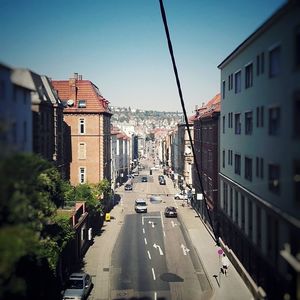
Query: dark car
<point x="160" y="177"/>
<point x="128" y="187"/>
<point x="144" y="179"/>
<point x="162" y="181"/>
<point x="170" y="211"/>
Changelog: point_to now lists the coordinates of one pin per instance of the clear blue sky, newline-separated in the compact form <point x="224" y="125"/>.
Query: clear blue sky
<point x="120" y="45"/>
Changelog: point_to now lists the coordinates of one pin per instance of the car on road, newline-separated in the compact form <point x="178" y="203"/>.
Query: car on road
<point x="162" y="181"/>
<point x="160" y="177"/>
<point x="155" y="199"/>
<point x="170" y="211"/>
<point x="140" y="205"/>
<point x="79" y="286"/>
<point x="181" y="196"/>
<point x="144" y="179"/>
<point x="128" y="187"/>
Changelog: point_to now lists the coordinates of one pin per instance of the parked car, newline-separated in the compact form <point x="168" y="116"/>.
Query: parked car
<point x="170" y="211"/>
<point x="181" y="196"/>
<point x="162" y="181"/>
<point x="128" y="187"/>
<point x="144" y="179"/>
<point x="78" y="287"/>
<point x="160" y="177"/>
<point x="140" y="205"/>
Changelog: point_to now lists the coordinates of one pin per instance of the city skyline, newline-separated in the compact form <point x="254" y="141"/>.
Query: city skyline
<point x="122" y="48"/>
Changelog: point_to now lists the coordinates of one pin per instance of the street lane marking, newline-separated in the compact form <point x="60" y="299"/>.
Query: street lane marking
<point x="155" y="296"/>
<point x="159" y="249"/>
<point x="153" y="274"/>
<point x="152" y="223"/>
<point x="173" y="223"/>
<point x="161" y="218"/>
<point x="164" y="233"/>
<point x="149" y="254"/>
<point x="184" y="249"/>
<point x="145" y="241"/>
<point x="143" y="230"/>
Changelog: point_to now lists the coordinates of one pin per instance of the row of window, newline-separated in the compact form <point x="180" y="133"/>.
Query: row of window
<point x="273" y="169"/>
<point x="273" y="121"/>
<point x="274" y="65"/>
<point x="249" y="217"/>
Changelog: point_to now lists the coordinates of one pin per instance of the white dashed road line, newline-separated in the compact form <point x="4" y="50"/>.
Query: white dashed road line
<point x="149" y="254"/>
<point x="145" y="241"/>
<point x="153" y="273"/>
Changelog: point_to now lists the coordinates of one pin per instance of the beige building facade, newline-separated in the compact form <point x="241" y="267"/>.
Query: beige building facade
<point x="87" y="114"/>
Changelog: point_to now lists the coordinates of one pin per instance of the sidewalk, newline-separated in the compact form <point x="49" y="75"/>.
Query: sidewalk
<point x="230" y="287"/>
<point x="97" y="258"/>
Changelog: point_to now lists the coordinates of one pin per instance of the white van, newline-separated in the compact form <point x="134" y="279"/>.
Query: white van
<point x="140" y="205"/>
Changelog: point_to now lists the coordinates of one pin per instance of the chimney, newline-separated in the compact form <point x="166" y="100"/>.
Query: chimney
<point x="79" y="77"/>
<point x="72" y="88"/>
<point x="76" y="76"/>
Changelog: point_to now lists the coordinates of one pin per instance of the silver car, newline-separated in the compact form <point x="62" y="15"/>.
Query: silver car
<point x="140" y="205"/>
<point x="78" y="287"/>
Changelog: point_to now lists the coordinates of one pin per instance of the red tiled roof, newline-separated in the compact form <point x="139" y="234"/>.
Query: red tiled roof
<point x="212" y="106"/>
<point x="86" y="90"/>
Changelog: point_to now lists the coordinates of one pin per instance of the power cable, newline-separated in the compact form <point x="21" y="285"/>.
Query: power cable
<point x="164" y="18"/>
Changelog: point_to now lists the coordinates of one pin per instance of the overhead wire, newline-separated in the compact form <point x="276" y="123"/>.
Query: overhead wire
<point x="164" y="18"/>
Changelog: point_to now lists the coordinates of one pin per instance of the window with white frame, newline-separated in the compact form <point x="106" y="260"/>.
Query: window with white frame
<point x="248" y="168"/>
<point x="237" y="164"/>
<point x="81" y="126"/>
<point x="249" y="76"/>
<point x="274" y="62"/>
<point x="248" y="122"/>
<point x="82" y="175"/>
<point x="82" y="151"/>
<point x="237" y="123"/>
<point x="223" y="89"/>
<point x="274" y="178"/>
<point x="238" y="82"/>
<point x="274" y="120"/>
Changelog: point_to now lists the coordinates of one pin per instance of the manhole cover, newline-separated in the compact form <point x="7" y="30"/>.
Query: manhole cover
<point x="105" y="269"/>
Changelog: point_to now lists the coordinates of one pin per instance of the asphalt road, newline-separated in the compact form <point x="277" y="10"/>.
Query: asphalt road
<point x="153" y="257"/>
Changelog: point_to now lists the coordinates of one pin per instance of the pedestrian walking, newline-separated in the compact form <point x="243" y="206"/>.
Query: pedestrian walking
<point x="225" y="264"/>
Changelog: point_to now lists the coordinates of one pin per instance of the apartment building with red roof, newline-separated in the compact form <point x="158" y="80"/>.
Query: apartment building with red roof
<point x="87" y="114"/>
<point x="206" y="137"/>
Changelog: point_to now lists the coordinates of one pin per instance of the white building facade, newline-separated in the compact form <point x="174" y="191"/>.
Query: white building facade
<point x="260" y="153"/>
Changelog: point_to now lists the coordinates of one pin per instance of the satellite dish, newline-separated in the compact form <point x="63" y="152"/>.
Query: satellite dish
<point x="70" y="102"/>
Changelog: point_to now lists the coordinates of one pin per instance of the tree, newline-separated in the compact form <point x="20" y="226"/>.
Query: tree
<point x="31" y="190"/>
<point x="28" y="184"/>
